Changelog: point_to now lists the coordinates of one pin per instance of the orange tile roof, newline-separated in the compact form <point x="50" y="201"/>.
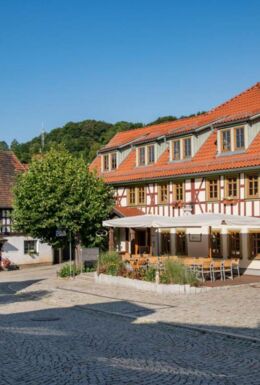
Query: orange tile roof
<point x="243" y="106"/>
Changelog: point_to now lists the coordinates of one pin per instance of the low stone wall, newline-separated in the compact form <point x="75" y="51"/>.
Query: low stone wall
<point x="148" y="286"/>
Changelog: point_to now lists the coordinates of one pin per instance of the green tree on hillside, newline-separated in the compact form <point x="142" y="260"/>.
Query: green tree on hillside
<point x="3" y="146"/>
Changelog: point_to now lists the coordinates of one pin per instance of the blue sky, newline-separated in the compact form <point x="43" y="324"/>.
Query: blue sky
<point x="121" y="60"/>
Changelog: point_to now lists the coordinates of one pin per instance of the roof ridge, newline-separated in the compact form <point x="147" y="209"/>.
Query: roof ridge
<point x="256" y="85"/>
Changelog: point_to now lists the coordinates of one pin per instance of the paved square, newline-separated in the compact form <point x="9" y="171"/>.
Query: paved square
<point x="51" y="336"/>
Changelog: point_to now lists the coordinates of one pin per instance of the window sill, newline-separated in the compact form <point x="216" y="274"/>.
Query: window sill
<point x="180" y="160"/>
<point x="251" y="198"/>
<point x="228" y="153"/>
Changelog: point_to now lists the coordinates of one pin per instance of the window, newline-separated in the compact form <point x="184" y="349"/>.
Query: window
<point x="234" y="244"/>
<point x="181" y="243"/>
<point x="106" y="162"/>
<point x="226" y="140"/>
<point x="163" y="193"/>
<point x="254" y="246"/>
<point x="5" y="221"/>
<point x="30" y="247"/>
<point x="231" y="187"/>
<point x="113" y="161"/>
<point x="179" y="191"/>
<point x="252" y="186"/>
<point x="176" y="150"/>
<point x="132" y="196"/>
<point x="232" y="139"/>
<point x="216" y="244"/>
<point x="187" y="148"/>
<point x="141" y="156"/>
<point x="151" y="154"/>
<point x="141" y="195"/>
<point x="212" y="189"/>
<point x="239" y="138"/>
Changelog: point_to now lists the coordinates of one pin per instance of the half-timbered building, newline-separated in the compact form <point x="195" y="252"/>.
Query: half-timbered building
<point x="206" y="163"/>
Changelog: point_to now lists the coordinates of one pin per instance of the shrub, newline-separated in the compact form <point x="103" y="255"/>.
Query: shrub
<point x="65" y="270"/>
<point x="176" y="272"/>
<point x="149" y="274"/>
<point x="110" y="263"/>
<point x="89" y="269"/>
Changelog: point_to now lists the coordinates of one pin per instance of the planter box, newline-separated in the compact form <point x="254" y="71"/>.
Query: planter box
<point x="149" y="286"/>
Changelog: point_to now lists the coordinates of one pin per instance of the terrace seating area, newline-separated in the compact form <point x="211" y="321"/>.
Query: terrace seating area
<point x="206" y="269"/>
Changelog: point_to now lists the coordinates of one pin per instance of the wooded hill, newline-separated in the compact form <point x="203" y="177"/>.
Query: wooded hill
<point x="81" y="138"/>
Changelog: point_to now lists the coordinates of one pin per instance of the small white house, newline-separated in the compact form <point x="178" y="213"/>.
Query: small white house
<point x="23" y="250"/>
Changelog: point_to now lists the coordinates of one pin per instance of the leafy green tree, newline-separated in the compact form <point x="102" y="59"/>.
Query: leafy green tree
<point x="3" y="146"/>
<point x="58" y="192"/>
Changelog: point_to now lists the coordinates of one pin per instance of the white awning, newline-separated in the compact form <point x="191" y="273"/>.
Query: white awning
<point x="196" y="220"/>
<point x="140" y="221"/>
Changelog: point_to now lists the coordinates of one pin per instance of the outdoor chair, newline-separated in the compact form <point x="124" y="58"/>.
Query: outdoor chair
<point x="217" y="270"/>
<point x="235" y="266"/>
<point x="204" y="270"/>
<point x="227" y="268"/>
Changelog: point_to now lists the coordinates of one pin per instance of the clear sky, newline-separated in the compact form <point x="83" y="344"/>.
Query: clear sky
<point x="64" y="60"/>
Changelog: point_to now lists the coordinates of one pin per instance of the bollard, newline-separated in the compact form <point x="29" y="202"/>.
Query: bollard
<point x="157" y="277"/>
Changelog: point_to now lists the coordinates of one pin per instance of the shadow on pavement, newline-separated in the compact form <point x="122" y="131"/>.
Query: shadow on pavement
<point x="88" y="346"/>
<point x="9" y="291"/>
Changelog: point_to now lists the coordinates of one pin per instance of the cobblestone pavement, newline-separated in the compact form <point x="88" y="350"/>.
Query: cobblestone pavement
<point x="51" y="336"/>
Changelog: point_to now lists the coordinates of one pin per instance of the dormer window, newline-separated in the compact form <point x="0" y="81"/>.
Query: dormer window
<point x="113" y="161"/>
<point x="181" y="149"/>
<point x="186" y="148"/>
<point x="176" y="150"/>
<point x="106" y="162"/>
<point x="239" y="138"/>
<point x="109" y="161"/>
<point x="141" y="156"/>
<point x="226" y="140"/>
<point x="151" y="154"/>
<point x="145" y="155"/>
<point x="232" y="139"/>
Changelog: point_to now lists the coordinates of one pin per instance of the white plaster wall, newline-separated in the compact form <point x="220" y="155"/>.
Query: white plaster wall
<point x="13" y="249"/>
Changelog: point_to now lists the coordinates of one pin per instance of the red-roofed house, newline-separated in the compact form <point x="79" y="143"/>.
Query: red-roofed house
<point x="205" y="163"/>
<point x="18" y="248"/>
